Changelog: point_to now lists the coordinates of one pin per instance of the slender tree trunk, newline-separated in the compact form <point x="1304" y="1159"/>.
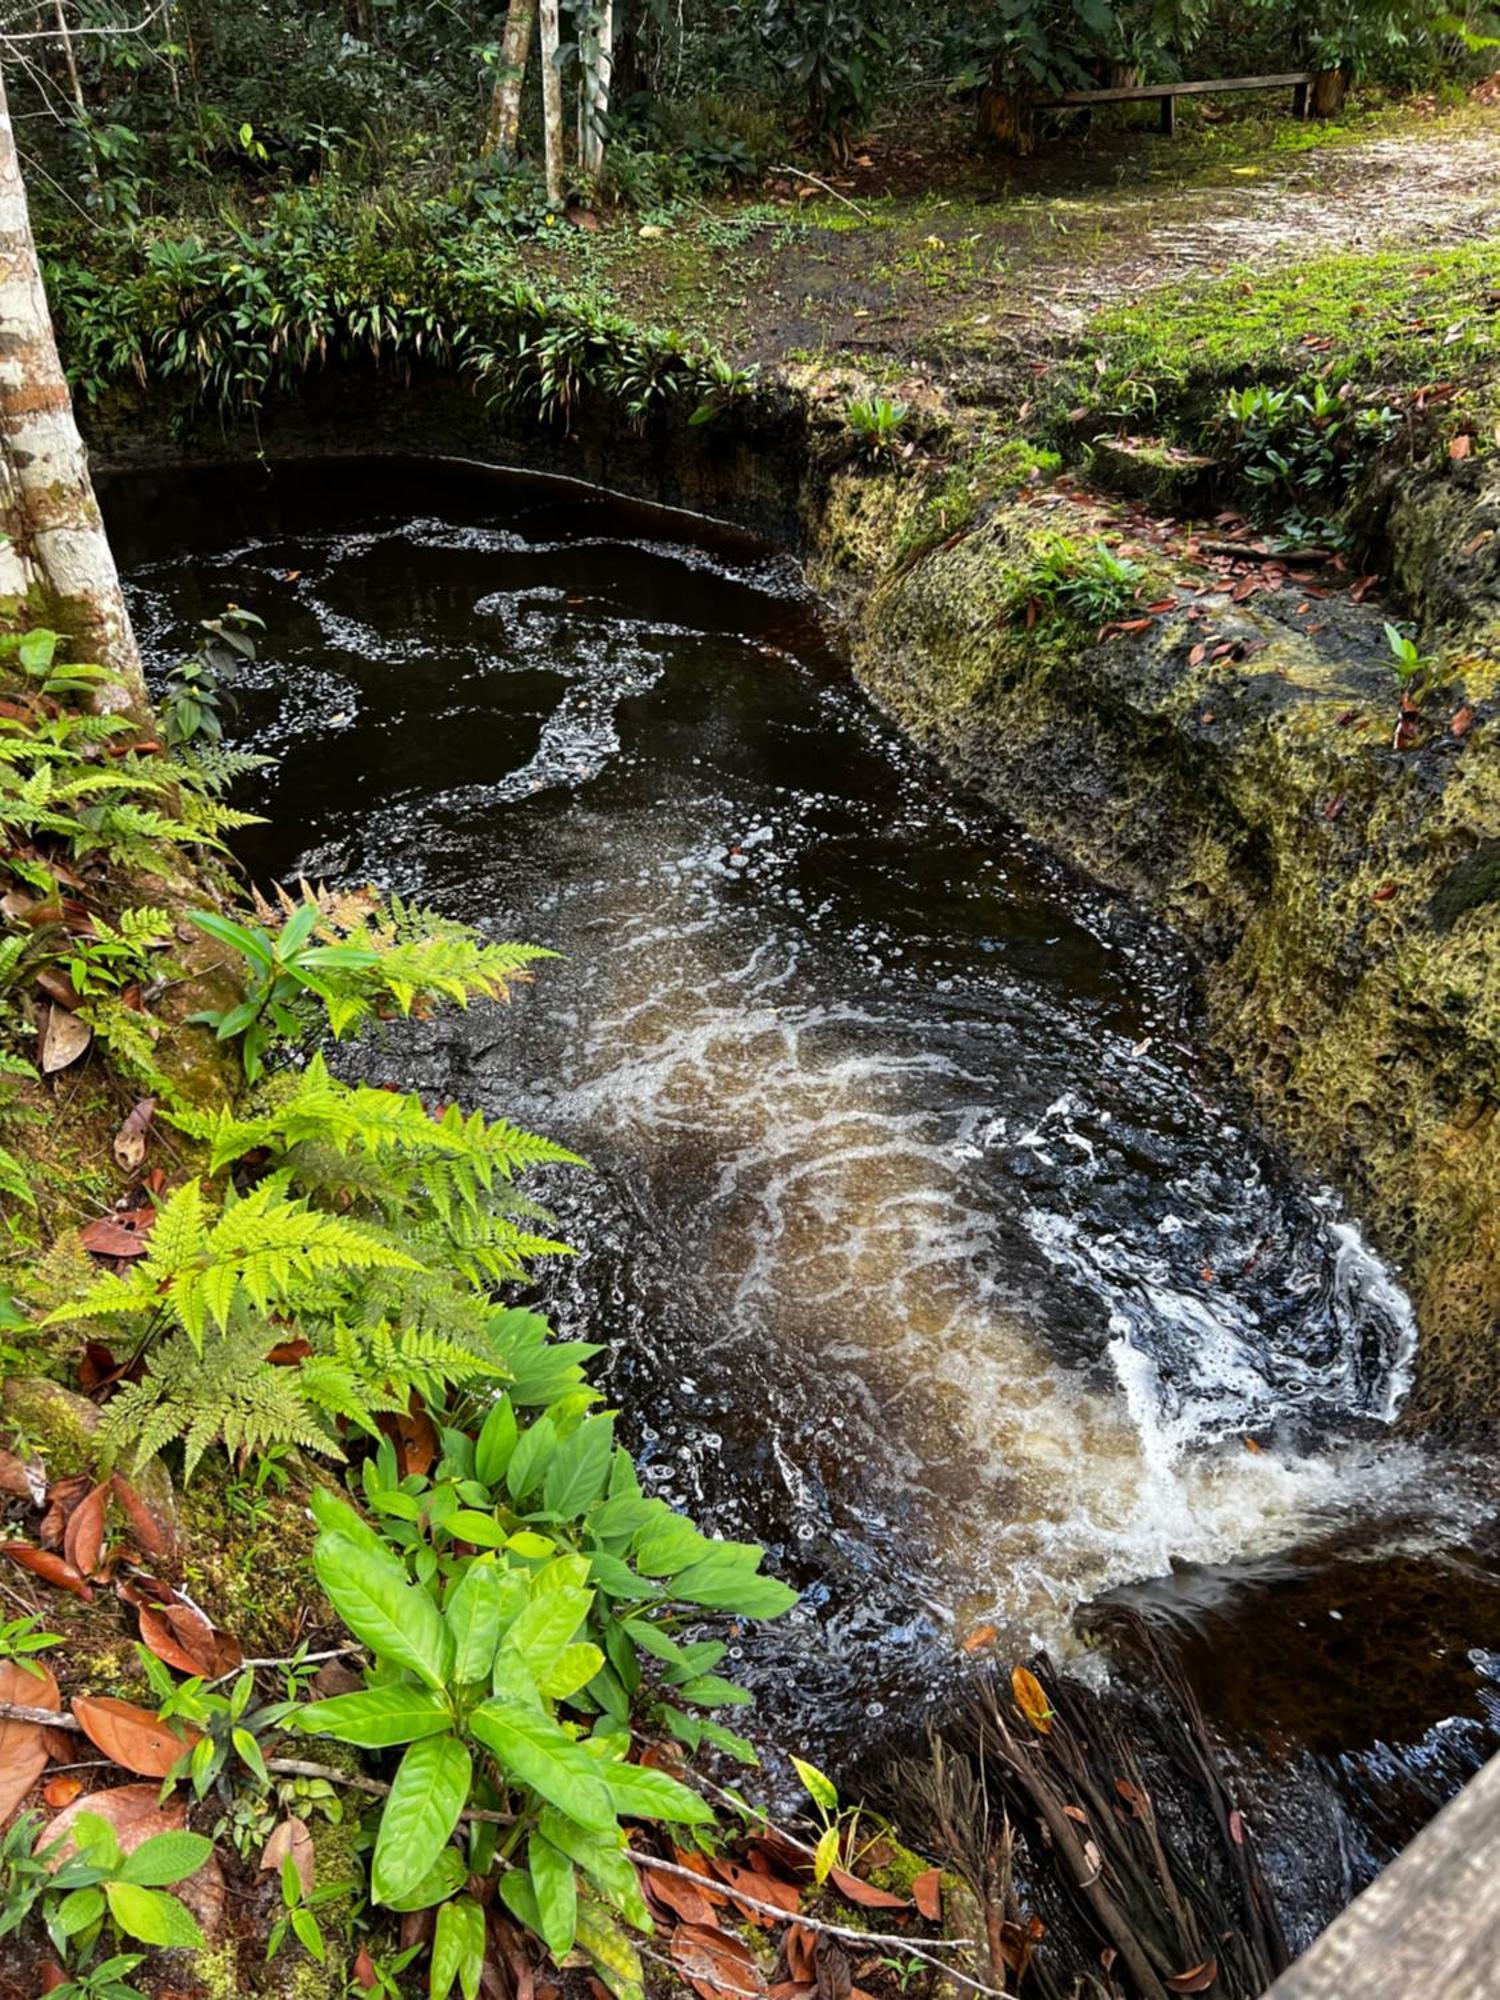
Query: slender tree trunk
<point x="70" y="59"/>
<point x="552" y="106"/>
<point x="504" y="134"/>
<point x="594" y="104"/>
<point x="55" y="556"/>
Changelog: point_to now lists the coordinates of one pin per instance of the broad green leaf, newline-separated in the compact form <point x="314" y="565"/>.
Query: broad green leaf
<point x="826" y="1854"/>
<point x="545" y="1626"/>
<point x="529" y="1746"/>
<point x="712" y="1691"/>
<point x="574" y="1667"/>
<point x="726" y="1740"/>
<point x="556" y="1892"/>
<point x="396" y="1619"/>
<point x="604" y="1861"/>
<point x="624" y="1515"/>
<point x="495" y="1443"/>
<point x="579" y="1468"/>
<point x="565" y="1572"/>
<point x="95" y="1838"/>
<point x="76" y="1912"/>
<point x="615" y="1580"/>
<point x="483" y="1530"/>
<point x="528" y="1461"/>
<point x="668" y="1545"/>
<point x="820" y="1789"/>
<point x="651" y="1639"/>
<point x="726" y="1580"/>
<point x="473" y="1614"/>
<point x="376" y="1718"/>
<point x="643" y="1794"/>
<point x="152" y="1916"/>
<point x="449" y="1872"/>
<point x="165" y="1858"/>
<point x="431" y="1789"/>
<point x="519" y="1898"/>
<point x="457" y="1949"/>
<point x="337" y="1517"/>
<point x="616" y="1959"/>
<point x="533" y="1547"/>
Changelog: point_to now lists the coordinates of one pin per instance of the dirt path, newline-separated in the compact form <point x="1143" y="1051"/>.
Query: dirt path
<point x="925" y="277"/>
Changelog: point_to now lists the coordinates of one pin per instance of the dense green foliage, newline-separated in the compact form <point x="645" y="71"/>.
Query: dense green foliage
<point x="324" y="1267"/>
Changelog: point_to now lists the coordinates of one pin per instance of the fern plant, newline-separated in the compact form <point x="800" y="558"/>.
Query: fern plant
<point x="15" y="1181"/>
<point x="358" y="958"/>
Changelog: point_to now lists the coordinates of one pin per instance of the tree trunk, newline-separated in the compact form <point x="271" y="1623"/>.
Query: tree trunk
<point x="1329" y="87"/>
<point x="69" y="58"/>
<point x="552" y="106"/>
<point x="1005" y="118"/>
<point x="56" y="558"/>
<point x="594" y="108"/>
<point x="504" y="134"/>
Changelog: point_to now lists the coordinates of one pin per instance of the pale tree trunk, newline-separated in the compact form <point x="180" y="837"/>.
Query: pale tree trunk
<point x="56" y="558"/>
<point x="504" y="134"/>
<point x="596" y="52"/>
<point x="552" y="106"/>
<point x="70" y="59"/>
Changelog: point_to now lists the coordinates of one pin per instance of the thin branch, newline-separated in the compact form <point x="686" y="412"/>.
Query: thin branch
<point x="46" y="1718"/>
<point x="51" y="35"/>
<point x="863" y="213"/>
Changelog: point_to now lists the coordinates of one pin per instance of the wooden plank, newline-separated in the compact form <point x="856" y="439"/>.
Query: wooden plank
<point x="1429" y="1927"/>
<point x="1144" y="93"/>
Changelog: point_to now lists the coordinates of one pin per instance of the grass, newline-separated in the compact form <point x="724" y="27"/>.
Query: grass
<point x="1390" y="323"/>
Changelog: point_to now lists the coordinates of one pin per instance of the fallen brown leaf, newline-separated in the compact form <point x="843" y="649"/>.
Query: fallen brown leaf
<point x="23" y="1750"/>
<point x="83" y="1539"/>
<point x="50" y="1568"/>
<point x="133" y="1136"/>
<point x="132" y="1736"/>
<point x="1031" y="1699"/>
<point x="291" y="1839"/>
<point x="927" y="1894"/>
<point x="62" y="1040"/>
<point x="714" y="1963"/>
<point x="1197" y="1979"/>
<point x="124" y="1234"/>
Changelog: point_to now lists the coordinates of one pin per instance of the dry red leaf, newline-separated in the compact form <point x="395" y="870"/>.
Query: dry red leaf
<point x="53" y="1976"/>
<point x="689" y="1857"/>
<point x="1463" y="722"/>
<point x="981" y="1636"/>
<point x="50" y="1568"/>
<point x="415" y="1438"/>
<point x="866" y="1894"/>
<point x="1135" y="1799"/>
<point x="154" y="1535"/>
<point x="363" y="1970"/>
<point x="1460" y="446"/>
<point x="714" y="1963"/>
<point x="1384" y="893"/>
<point x="61" y="1040"/>
<point x="180" y="1635"/>
<point x="124" y="1234"/>
<point x="764" y="1888"/>
<point x="62" y="1791"/>
<point x="678" y="1898"/>
<point x="927" y="1894"/>
<point x="1198" y="655"/>
<point x="14" y="1477"/>
<point x="83" y="1538"/>
<point x="23" y="1749"/>
<point x="131" y="1736"/>
<point x="1197" y="1978"/>
<point x="1360" y="591"/>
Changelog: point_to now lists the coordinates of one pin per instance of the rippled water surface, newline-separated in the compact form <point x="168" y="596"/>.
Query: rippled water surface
<point x="926" y="1244"/>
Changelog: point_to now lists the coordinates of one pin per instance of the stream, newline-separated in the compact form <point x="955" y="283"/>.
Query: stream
<point x="929" y="1245"/>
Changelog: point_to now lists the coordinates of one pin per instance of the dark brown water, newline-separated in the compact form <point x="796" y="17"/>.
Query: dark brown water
<point x="927" y="1247"/>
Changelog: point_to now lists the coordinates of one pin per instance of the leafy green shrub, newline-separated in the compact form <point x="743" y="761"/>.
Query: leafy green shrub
<point x="1093" y="585"/>
<point x="833" y="53"/>
<point x="356" y="957"/>
<point x="877" y="422"/>
<point x="195" y="699"/>
<point x="1299" y="450"/>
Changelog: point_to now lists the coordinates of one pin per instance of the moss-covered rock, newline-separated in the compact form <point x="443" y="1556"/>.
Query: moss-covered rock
<point x="1344" y="893"/>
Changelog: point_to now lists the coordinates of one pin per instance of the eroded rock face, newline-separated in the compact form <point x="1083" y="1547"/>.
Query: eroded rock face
<point x="1345" y="894"/>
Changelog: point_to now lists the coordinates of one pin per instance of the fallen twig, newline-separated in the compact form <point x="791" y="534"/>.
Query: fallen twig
<point x="863" y="213"/>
